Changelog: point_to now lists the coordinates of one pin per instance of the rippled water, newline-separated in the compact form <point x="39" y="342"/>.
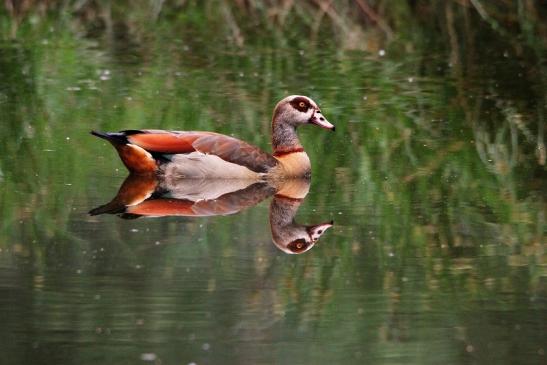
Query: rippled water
<point x="435" y="180"/>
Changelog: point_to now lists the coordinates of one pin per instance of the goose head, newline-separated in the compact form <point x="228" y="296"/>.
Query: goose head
<point x="296" y="110"/>
<point x="296" y="238"/>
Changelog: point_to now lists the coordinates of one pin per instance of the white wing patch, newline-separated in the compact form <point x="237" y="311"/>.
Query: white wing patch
<point x="197" y="165"/>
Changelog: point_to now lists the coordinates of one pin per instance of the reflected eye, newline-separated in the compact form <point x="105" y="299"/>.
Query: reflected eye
<point x="302" y="104"/>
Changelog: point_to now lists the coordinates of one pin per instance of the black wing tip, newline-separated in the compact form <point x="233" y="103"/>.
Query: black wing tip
<point x="108" y="208"/>
<point x="99" y="134"/>
<point x="113" y="137"/>
<point x="129" y="132"/>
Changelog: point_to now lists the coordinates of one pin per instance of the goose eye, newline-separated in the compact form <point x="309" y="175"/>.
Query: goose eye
<point x="302" y="104"/>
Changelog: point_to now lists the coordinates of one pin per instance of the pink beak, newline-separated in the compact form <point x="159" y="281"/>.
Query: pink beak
<point x="318" y="119"/>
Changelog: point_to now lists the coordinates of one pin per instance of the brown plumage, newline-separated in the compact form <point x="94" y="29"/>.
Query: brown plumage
<point x="193" y="154"/>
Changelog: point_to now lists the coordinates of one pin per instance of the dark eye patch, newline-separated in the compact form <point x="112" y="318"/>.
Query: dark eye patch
<point x="299" y="245"/>
<point x="301" y="104"/>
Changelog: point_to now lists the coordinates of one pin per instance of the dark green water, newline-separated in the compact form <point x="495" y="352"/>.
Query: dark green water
<point x="435" y="179"/>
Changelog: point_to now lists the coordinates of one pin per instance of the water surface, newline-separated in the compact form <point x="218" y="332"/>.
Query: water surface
<point x="435" y="179"/>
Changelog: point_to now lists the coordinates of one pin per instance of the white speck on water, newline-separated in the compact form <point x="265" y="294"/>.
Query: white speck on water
<point x="78" y="271"/>
<point x="301" y="52"/>
<point x="134" y="230"/>
<point x="138" y="267"/>
<point x="391" y="254"/>
<point x="206" y="347"/>
<point x="104" y="75"/>
<point x="97" y="297"/>
<point x="241" y="74"/>
<point x="381" y="53"/>
<point x="148" y="357"/>
<point x="365" y="97"/>
<point x="339" y="213"/>
<point x="73" y="88"/>
<point x="411" y="79"/>
<point x="192" y="363"/>
<point x="68" y="138"/>
<point x="67" y="184"/>
<point x="469" y="348"/>
<point x="157" y="243"/>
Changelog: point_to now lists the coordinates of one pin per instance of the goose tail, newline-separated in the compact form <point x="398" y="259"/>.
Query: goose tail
<point x="135" y="158"/>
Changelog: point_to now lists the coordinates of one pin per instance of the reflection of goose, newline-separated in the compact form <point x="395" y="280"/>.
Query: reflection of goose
<point x="212" y="155"/>
<point x="148" y="196"/>
<point x="145" y="195"/>
<point x="289" y="236"/>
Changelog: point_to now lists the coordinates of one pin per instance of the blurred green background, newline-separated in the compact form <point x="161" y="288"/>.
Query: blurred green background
<point x="435" y="178"/>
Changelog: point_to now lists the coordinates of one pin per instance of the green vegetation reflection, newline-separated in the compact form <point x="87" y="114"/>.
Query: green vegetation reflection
<point x="435" y="176"/>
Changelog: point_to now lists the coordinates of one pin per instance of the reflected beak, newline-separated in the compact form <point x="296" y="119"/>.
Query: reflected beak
<point x="318" y="119"/>
<point x="317" y="230"/>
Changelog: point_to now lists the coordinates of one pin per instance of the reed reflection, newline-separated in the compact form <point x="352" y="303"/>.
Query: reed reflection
<point x="150" y="196"/>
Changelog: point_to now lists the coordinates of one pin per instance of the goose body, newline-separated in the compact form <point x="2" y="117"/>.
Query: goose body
<point x="175" y="155"/>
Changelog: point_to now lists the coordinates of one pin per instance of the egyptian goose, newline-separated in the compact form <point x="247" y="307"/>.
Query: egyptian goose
<point x="147" y="196"/>
<point x="182" y="154"/>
